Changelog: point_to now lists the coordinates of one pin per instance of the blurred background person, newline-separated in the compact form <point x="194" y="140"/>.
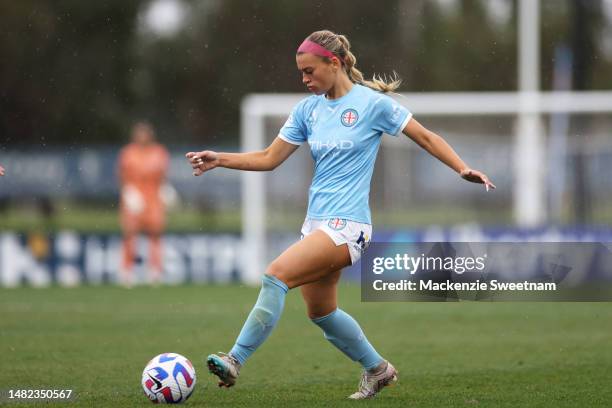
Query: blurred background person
<point x="142" y="169"/>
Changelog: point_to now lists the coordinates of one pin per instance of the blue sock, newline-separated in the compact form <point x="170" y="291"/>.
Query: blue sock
<point x="262" y="318"/>
<point x="344" y="333"/>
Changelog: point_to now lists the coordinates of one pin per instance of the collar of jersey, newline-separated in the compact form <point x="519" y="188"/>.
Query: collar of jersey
<point x="334" y="102"/>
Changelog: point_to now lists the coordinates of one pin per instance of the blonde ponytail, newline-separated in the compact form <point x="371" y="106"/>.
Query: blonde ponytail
<point x="339" y="45"/>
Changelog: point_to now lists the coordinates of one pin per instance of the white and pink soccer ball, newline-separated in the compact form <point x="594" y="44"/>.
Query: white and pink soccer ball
<point x="168" y="378"/>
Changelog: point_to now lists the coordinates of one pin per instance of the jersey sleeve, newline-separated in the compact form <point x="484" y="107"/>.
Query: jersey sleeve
<point x="294" y="129"/>
<point x="390" y="116"/>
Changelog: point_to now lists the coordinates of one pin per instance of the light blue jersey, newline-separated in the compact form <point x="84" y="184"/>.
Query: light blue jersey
<point x="344" y="135"/>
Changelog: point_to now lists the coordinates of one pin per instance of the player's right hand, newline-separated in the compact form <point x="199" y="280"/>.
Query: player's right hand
<point x="202" y="161"/>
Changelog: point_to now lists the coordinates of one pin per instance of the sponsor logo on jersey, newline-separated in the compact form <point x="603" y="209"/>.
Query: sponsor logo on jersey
<point x="349" y="117"/>
<point x="342" y="144"/>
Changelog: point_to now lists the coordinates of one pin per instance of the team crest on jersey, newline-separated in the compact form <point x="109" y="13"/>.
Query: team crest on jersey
<point x="349" y="117"/>
<point x="336" y="224"/>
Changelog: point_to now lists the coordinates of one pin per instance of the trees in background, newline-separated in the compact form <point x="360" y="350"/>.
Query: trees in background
<point x="80" y="72"/>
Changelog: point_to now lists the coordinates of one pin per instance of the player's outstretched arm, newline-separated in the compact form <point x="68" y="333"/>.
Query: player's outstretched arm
<point x="263" y="160"/>
<point x="439" y="148"/>
<point x="1" y="171"/>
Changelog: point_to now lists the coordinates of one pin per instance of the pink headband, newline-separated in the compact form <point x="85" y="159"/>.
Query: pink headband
<point x="314" y="48"/>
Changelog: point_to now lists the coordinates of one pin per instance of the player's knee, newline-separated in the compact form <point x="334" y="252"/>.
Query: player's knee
<point x="129" y="240"/>
<point x="279" y="271"/>
<point x="319" y="311"/>
<point x="314" y="314"/>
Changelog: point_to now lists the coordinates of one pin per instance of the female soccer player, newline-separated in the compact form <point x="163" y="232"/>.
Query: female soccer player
<point x="142" y="168"/>
<point x="343" y="123"/>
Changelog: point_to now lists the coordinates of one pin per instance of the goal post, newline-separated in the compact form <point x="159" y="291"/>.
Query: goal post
<point x="529" y="155"/>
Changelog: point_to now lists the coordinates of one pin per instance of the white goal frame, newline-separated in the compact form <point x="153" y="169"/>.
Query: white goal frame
<point x="528" y="192"/>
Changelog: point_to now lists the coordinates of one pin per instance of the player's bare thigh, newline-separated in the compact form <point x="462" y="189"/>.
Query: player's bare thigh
<point x="309" y="260"/>
<point x="321" y="296"/>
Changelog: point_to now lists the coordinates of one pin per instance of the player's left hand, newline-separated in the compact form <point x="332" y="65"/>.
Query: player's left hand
<point x="476" y="176"/>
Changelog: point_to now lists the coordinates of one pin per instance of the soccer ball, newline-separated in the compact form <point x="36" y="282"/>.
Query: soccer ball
<point x="168" y="378"/>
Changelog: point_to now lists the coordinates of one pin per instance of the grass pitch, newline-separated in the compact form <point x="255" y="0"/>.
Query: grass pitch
<point x="97" y="340"/>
